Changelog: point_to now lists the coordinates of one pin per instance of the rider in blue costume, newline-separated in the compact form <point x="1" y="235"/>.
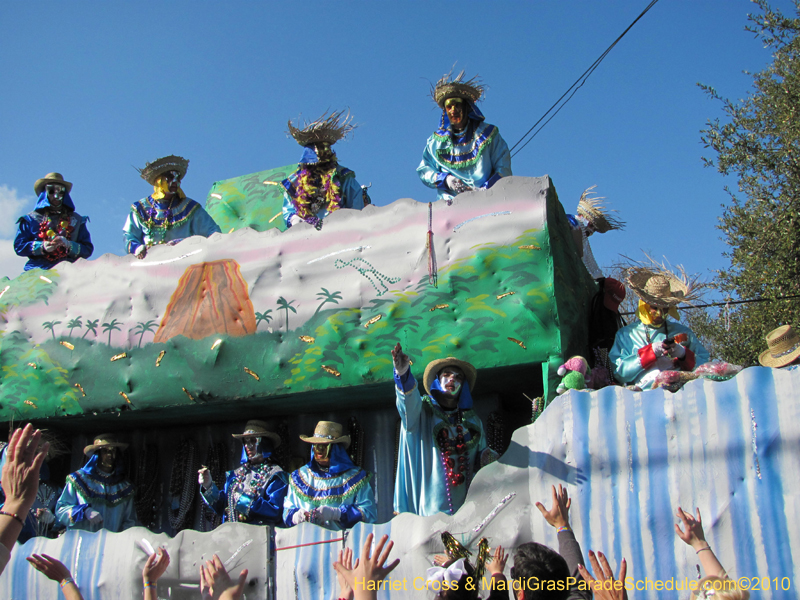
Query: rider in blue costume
<point x="320" y="185"/>
<point x="253" y="493"/>
<point x="98" y="496"/>
<point x="442" y="442"/>
<point x="166" y="216"/>
<point x="464" y="153"/>
<point x="330" y="490"/>
<point x="53" y="232"/>
<point x="655" y="343"/>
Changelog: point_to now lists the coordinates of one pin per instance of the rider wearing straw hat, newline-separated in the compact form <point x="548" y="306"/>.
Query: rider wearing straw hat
<point x="98" y="496"/>
<point x="53" y="232"/>
<point x="783" y="348"/>
<point x="655" y="343"/>
<point x="330" y="490"/>
<point x="253" y="493"/>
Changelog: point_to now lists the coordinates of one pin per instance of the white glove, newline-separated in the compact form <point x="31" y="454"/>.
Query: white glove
<point x="60" y="240"/>
<point x="298" y="517"/>
<point x="50" y="246"/>
<point x="94" y="517"/>
<point x="329" y="513"/>
<point x="676" y="351"/>
<point x="456" y="185"/>
<point x="294" y="220"/>
<point x="659" y="349"/>
<point x="140" y="251"/>
<point x="204" y="478"/>
<point x="45" y="516"/>
<point x="401" y="361"/>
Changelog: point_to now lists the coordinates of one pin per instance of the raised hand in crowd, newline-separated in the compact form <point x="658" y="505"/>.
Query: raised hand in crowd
<point x="693" y="534"/>
<point x="20" y="482"/>
<point x="346" y="560"/>
<point x="558" y="515"/>
<point x="369" y="569"/>
<point x="497" y="564"/>
<point x="154" y="568"/>
<point x="55" y="570"/>
<point x="604" y="586"/>
<point x="215" y="583"/>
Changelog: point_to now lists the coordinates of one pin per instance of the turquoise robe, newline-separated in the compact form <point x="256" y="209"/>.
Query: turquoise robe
<point x="633" y="358"/>
<point x="109" y="494"/>
<point x="421" y="486"/>
<point x="478" y="156"/>
<point x="348" y="490"/>
<point x="188" y="218"/>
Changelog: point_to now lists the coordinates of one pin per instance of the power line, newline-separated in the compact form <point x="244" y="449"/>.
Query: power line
<point x="576" y="86"/>
<point x="748" y="301"/>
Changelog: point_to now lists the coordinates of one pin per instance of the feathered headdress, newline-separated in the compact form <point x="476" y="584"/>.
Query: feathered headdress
<point x="328" y="128"/>
<point x="591" y="209"/>
<point x="456" y="87"/>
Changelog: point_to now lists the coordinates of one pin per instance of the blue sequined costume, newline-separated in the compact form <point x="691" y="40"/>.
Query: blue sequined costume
<point x="421" y="485"/>
<point x="255" y="492"/>
<point x="152" y="223"/>
<point x="478" y="155"/>
<point x="110" y="494"/>
<point x="352" y="196"/>
<point x="27" y="242"/>
<point x="343" y="486"/>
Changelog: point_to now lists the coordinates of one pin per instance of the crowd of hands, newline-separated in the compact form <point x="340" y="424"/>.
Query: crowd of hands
<point x="20" y="481"/>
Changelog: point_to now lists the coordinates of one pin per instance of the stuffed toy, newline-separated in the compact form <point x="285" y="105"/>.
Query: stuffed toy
<point x="573" y="373"/>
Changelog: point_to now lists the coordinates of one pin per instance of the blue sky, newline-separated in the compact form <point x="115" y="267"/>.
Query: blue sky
<point x="92" y="89"/>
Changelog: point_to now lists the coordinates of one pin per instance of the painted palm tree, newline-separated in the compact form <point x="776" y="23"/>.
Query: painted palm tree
<point x="283" y="304"/>
<point x="142" y="328"/>
<point x="109" y="327"/>
<point x="263" y="316"/>
<point x="74" y="323"/>
<point x="91" y="326"/>
<point x="50" y="326"/>
<point x="326" y="296"/>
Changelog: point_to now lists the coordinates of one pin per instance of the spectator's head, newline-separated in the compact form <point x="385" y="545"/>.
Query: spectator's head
<point x="535" y="567"/>
<point x="450" y="382"/>
<point x="716" y="588"/>
<point x="466" y="588"/>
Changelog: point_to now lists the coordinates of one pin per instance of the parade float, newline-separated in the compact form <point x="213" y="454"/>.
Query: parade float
<point x="176" y="351"/>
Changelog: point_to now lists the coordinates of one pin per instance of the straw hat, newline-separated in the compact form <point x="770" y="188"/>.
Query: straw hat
<point x="455" y="87"/>
<point x="153" y="169"/>
<point x="327" y="432"/>
<point x="104" y="440"/>
<point x="40" y="184"/>
<point x="328" y="129"/>
<point x="255" y="428"/>
<point x="658" y="289"/>
<point x="783" y="347"/>
<point x="433" y="368"/>
<point x="598" y="215"/>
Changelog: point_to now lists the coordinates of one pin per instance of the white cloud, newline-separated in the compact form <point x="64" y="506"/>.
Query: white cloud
<point x="10" y="264"/>
<point x="12" y="206"/>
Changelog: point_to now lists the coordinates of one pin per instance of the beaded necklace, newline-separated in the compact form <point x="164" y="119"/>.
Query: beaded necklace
<point x="159" y="221"/>
<point x="248" y="480"/>
<point x="453" y="454"/>
<point x="52" y="225"/>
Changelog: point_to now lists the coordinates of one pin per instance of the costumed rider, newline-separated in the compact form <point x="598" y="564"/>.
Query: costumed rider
<point x="53" y="232"/>
<point x="330" y="490"/>
<point x="320" y="185"/>
<point x="253" y="493"/>
<point x="656" y="343"/>
<point x="98" y="496"/>
<point x="41" y="517"/>
<point x="592" y="217"/>
<point x="442" y="442"/>
<point x="166" y="216"/>
<point x="465" y="153"/>
<point x="783" y="348"/>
